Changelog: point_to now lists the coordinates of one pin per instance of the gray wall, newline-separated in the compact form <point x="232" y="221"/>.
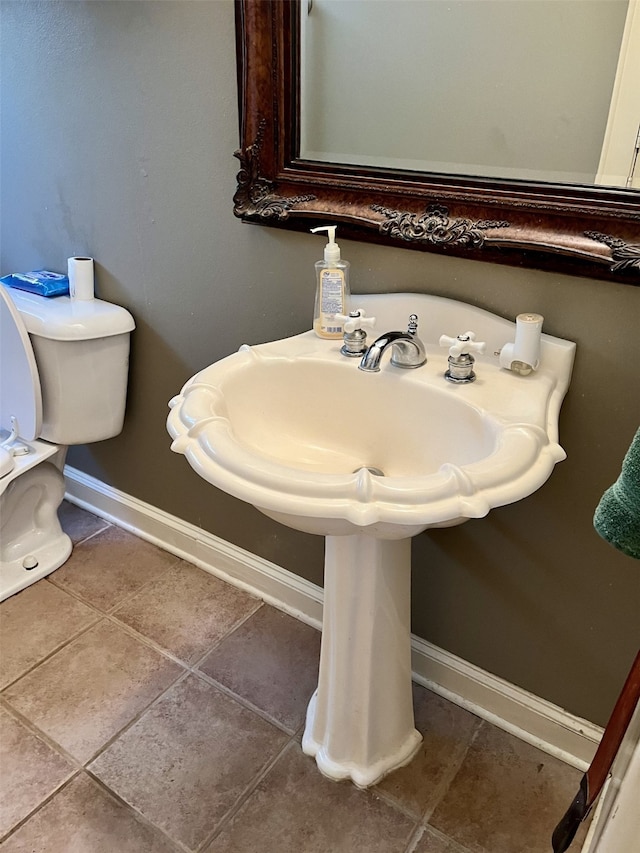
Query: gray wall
<point x="119" y="122"/>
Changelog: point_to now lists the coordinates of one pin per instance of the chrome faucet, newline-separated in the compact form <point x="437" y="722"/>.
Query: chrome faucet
<point x="407" y="349"/>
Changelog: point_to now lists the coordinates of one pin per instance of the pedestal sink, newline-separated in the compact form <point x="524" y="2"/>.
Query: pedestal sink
<point x="368" y="461"/>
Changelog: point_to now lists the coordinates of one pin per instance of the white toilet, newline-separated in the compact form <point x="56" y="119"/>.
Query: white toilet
<point x="63" y="380"/>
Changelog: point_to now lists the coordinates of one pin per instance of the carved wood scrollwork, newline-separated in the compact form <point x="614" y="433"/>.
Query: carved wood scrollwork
<point x="626" y="256"/>
<point x="435" y="227"/>
<point x="255" y="196"/>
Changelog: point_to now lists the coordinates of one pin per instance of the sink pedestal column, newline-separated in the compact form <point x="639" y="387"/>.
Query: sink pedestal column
<point x="360" y="719"/>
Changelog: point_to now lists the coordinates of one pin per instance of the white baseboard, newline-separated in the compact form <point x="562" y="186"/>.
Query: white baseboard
<point x="513" y="709"/>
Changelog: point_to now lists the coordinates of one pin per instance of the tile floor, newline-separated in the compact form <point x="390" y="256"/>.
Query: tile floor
<point x="148" y="707"/>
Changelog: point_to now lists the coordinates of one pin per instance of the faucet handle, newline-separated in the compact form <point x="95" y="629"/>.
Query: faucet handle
<point x="355" y="337"/>
<point x="356" y="320"/>
<point x="460" y="359"/>
<point x="463" y="344"/>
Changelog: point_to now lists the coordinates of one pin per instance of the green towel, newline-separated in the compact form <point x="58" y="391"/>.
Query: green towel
<point x="617" y="516"/>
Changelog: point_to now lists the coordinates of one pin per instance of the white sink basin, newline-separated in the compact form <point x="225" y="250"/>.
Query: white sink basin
<point x="369" y="460"/>
<point x="292" y="427"/>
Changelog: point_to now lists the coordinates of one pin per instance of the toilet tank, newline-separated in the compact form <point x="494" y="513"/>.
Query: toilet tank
<point x="82" y="354"/>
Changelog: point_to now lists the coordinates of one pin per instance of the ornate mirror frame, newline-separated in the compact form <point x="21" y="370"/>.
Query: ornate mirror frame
<point x="582" y="230"/>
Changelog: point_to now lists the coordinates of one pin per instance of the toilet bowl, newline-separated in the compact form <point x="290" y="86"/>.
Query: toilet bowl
<point x="63" y="381"/>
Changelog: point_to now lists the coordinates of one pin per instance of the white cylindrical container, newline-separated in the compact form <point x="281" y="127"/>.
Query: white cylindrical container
<point x="81" y="286"/>
<point x="527" y="343"/>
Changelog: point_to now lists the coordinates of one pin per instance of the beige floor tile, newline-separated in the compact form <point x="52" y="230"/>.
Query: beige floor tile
<point x="77" y="523"/>
<point x="447" y="731"/>
<point x="85" y="693"/>
<point x="83" y="818"/>
<point x="196" y="752"/>
<point x="34" y="623"/>
<point x="188" y="758"/>
<point x="111" y="566"/>
<point x="187" y="610"/>
<point x="295" y="809"/>
<point x="432" y="841"/>
<point x="271" y="660"/>
<point x="507" y="796"/>
<point x="29" y="771"/>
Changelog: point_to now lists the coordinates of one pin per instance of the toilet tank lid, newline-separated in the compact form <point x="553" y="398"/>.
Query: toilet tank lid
<point x="62" y="319"/>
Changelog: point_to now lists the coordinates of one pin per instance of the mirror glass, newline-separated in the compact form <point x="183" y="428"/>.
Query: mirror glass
<point x="514" y="89"/>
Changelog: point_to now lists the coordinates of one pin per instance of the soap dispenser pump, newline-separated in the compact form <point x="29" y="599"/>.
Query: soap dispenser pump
<point x="332" y="289"/>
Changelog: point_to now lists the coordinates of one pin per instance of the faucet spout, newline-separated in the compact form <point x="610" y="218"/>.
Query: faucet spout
<point x="407" y="351"/>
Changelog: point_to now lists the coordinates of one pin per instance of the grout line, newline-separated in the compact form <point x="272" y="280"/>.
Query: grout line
<point x="198" y="673"/>
<point x="244" y="702"/>
<point x="453" y="846"/>
<point x="112" y="617"/>
<point x="138" y="814"/>
<point x="60" y="749"/>
<point x="146" y="641"/>
<point x="257" y="575"/>
<point x="187" y="669"/>
<point x="396" y="804"/>
<point x="245" y="795"/>
<point x="40" y="733"/>
<point x="143" y="588"/>
<point x="107" y="525"/>
<point x="438" y="792"/>
<point x="40" y="805"/>
<point x="105" y="746"/>
<point x="98" y="618"/>
<point x="231" y="630"/>
<point x="416" y="835"/>
<point x="242" y="797"/>
<point x="79" y="597"/>
<point x="442" y="789"/>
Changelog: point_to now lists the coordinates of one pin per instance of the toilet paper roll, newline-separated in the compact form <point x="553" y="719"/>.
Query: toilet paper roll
<point x="81" y="286"/>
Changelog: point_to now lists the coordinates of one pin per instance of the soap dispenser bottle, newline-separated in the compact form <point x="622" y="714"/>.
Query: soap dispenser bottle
<point x="332" y="291"/>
